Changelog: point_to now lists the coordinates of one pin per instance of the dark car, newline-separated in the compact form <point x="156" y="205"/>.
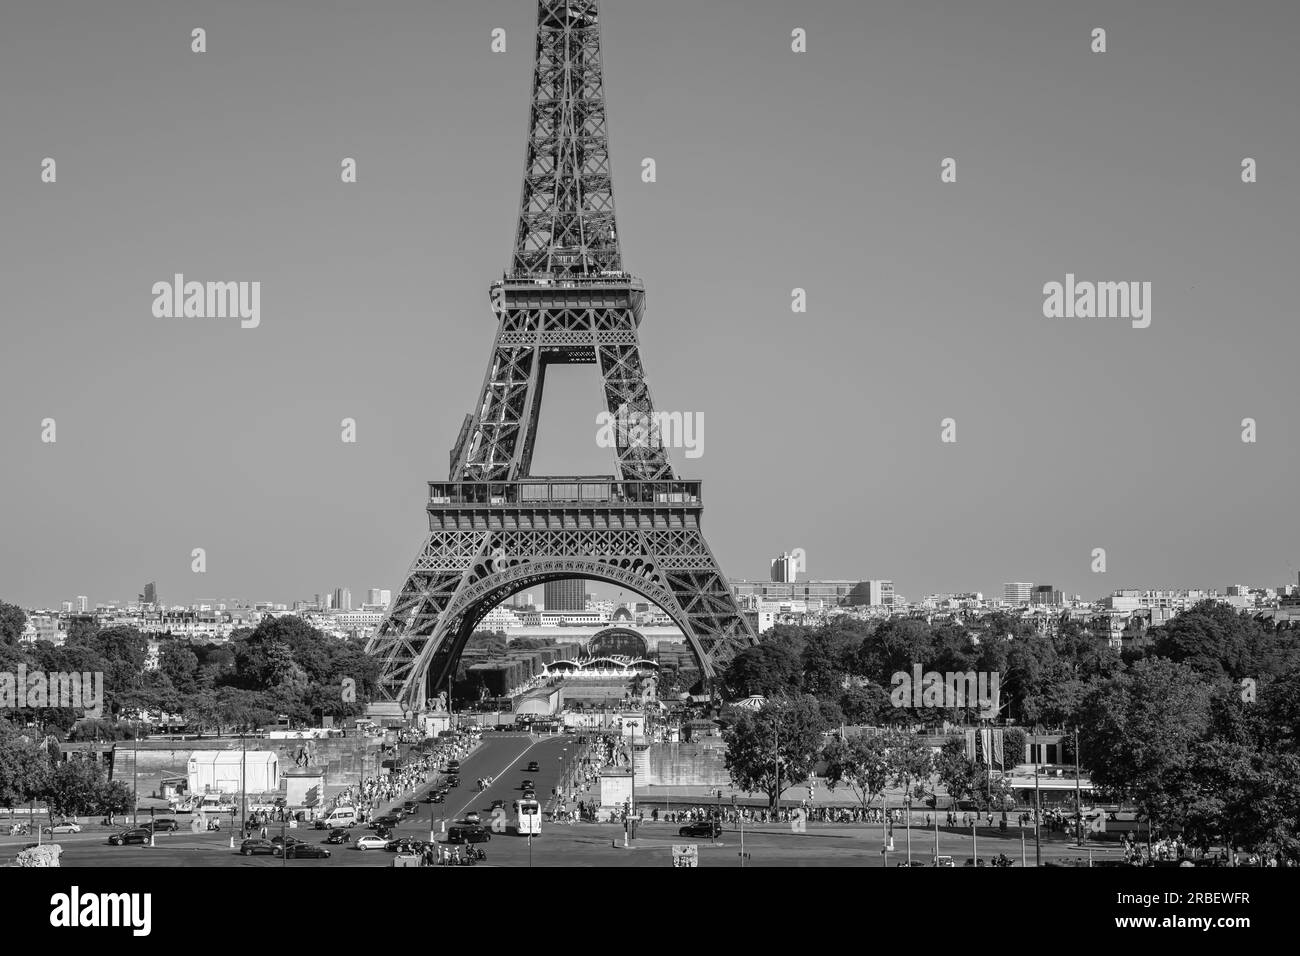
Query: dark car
<point x="453" y="766"/>
<point x="286" y="841"/>
<point x="437" y="797"/>
<point x="498" y="804"/>
<point x="165" y="825"/>
<point x="468" y="833"/>
<point x="255" y="845"/>
<point x="530" y="794"/>
<point x="410" y="808"/>
<point x="306" y="851"/>
<point x="405" y="845"/>
<point x="705" y="828"/>
<point x="387" y="821"/>
<point x="137" y="835"/>
<point x="453" y="781"/>
<point x="533" y="767"/>
<point x="338" y="835"/>
<point x="971" y="861"/>
<point x="526" y="785"/>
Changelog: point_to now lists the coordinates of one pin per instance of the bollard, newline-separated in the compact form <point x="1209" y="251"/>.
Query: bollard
<point x="232" y="841"/>
<point x="442" y="826"/>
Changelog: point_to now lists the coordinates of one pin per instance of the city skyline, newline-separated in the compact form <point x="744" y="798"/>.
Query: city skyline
<point x="597" y="591"/>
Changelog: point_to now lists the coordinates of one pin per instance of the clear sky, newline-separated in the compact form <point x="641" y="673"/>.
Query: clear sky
<point x="776" y="170"/>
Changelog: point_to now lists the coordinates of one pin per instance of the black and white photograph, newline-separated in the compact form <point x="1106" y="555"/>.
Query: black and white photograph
<point x="357" y="360"/>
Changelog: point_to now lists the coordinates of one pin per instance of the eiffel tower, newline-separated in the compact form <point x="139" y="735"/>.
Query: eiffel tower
<point x="494" y="528"/>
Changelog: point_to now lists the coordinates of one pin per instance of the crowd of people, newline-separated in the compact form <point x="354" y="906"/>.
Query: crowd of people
<point x="370" y="795"/>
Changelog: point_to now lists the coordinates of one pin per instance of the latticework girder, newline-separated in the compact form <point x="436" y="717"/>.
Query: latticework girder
<point x="493" y="531"/>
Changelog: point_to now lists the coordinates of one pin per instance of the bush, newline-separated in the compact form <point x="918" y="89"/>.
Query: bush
<point x="45" y="855"/>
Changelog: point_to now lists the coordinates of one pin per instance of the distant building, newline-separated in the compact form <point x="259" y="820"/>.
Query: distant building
<point x="150" y="595"/>
<point x="784" y="569"/>
<point x="1046" y="594"/>
<point x="568" y="594"/>
<point x="1016" y="592"/>
<point x="807" y="595"/>
<point x="342" y="599"/>
<point x="499" y="619"/>
<point x="83" y="604"/>
<point x="379" y="597"/>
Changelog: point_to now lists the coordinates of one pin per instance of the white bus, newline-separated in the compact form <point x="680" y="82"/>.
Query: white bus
<point x="530" y="818"/>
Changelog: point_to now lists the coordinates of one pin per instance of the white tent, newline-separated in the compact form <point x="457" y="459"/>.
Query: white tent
<point x="221" y="771"/>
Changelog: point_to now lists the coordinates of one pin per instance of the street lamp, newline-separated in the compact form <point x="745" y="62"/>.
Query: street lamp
<point x="631" y="807"/>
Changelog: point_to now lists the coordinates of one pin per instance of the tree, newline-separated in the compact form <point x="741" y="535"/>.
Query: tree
<point x="24" y="768"/>
<point x="866" y="704"/>
<point x="955" y="770"/>
<point x="181" y="665"/>
<point x="74" y="788"/>
<point x="1139" y="729"/>
<point x="767" y="669"/>
<point x="12" y="622"/>
<point x="782" y="733"/>
<point x="114" y="798"/>
<point x="861" y="763"/>
<point x="910" y="761"/>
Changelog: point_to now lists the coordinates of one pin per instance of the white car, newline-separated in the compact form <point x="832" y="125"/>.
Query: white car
<point x="371" y="843"/>
<point x="63" y="828"/>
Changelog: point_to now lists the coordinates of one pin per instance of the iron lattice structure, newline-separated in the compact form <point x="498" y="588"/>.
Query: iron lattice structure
<point x="493" y="529"/>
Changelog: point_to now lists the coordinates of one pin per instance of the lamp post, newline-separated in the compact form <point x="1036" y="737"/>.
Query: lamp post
<point x="631" y="807"/>
<point x="243" y="785"/>
<point x="1078" y="793"/>
<point x="1038" y="814"/>
<point x="907" y="806"/>
<point x="135" y="776"/>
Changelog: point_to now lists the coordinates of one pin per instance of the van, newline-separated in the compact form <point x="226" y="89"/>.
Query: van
<point x="340" y="817"/>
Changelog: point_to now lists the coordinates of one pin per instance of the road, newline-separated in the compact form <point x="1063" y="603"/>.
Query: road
<point x="505" y="757"/>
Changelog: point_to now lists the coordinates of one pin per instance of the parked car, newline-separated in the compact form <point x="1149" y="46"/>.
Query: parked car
<point x="165" y="825"/>
<point x="975" y="862"/>
<point x="370" y="842"/>
<point x="338" y="835"/>
<point x="473" y="817"/>
<point x="705" y="828"/>
<point x="468" y="833"/>
<point x="453" y="781"/>
<point x="256" y="845"/>
<point x="944" y="861"/>
<point x="533" y="767"/>
<point x="526" y="785"/>
<point x="437" y="797"/>
<point x="410" y="808"/>
<point x="62" y="828"/>
<point x="136" y="835"/>
<point x="530" y="794"/>
<point x="306" y="851"/>
<point x="498" y="804"/>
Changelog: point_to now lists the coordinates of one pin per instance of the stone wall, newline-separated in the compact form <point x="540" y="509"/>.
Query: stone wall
<point x="700" y="763"/>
